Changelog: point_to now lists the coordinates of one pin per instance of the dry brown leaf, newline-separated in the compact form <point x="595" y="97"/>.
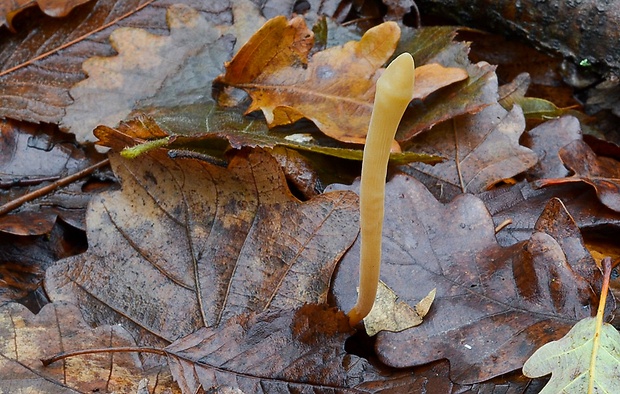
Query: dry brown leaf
<point x="335" y="88"/>
<point x="524" y="295"/>
<point x="58" y="328"/>
<point x="603" y="173"/>
<point x="55" y="8"/>
<point x="480" y="150"/>
<point x="186" y="244"/>
<point x="299" y="350"/>
<point x="148" y="66"/>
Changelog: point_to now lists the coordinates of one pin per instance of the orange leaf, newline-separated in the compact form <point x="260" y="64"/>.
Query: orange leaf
<point x="335" y="89"/>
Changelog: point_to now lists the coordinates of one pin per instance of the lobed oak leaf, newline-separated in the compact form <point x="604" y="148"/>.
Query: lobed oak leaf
<point x="58" y="328"/>
<point x="546" y="140"/>
<point x="480" y="151"/>
<point x="335" y="88"/>
<point x="524" y="295"/>
<point x="177" y="68"/>
<point x="187" y="244"/>
<point x="299" y="350"/>
<point x="603" y="173"/>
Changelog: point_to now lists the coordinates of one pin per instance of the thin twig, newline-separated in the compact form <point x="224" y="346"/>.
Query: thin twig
<point x="11" y="205"/>
<point x="80" y="38"/>
<point x="127" y="349"/>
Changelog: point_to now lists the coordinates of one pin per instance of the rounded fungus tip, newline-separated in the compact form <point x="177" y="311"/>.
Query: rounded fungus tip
<point x="394" y="91"/>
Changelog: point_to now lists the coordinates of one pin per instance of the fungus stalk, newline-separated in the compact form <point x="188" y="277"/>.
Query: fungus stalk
<point x="393" y="93"/>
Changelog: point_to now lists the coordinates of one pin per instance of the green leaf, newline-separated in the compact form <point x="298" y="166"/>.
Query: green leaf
<point x="568" y="360"/>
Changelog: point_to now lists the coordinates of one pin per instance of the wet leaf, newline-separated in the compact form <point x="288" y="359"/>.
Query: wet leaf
<point x="208" y="242"/>
<point x="148" y="65"/>
<point x="480" y="151"/>
<point x="24" y="259"/>
<point x="603" y="173"/>
<point x="334" y="88"/>
<point x="525" y="295"/>
<point x="59" y="327"/>
<point x="32" y="157"/>
<point x="546" y="140"/>
<point x="299" y="350"/>
<point x="522" y="205"/>
<point x="8" y="10"/>
<point x="210" y="129"/>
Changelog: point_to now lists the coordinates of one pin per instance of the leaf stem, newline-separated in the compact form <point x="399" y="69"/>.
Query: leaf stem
<point x="14" y="204"/>
<point x="126" y="349"/>
<point x="606" y="263"/>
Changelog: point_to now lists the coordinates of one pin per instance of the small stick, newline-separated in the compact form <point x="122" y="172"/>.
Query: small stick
<point x="127" y="349"/>
<point x="11" y="205"/>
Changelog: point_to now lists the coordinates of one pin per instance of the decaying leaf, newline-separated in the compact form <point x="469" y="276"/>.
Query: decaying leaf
<point x="334" y="88"/>
<point x="388" y="314"/>
<point x="603" y="173"/>
<point x="8" y="10"/>
<point x="525" y="295"/>
<point x="546" y="140"/>
<point x="32" y="157"/>
<point x="298" y="350"/>
<point x="480" y="151"/>
<point x="522" y="206"/>
<point x="208" y="242"/>
<point x="57" y="328"/>
<point x="24" y="259"/>
<point x="148" y="65"/>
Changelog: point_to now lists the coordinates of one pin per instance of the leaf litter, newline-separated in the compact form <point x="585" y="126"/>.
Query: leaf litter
<point x="150" y="177"/>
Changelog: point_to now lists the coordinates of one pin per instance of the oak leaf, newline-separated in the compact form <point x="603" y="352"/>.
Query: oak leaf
<point x="8" y="10"/>
<point x="187" y="244"/>
<point x="480" y="151"/>
<point x="299" y="350"/>
<point x="603" y="173"/>
<point x="525" y="294"/>
<point x="334" y="88"/>
<point x="34" y="156"/>
<point x="60" y="327"/>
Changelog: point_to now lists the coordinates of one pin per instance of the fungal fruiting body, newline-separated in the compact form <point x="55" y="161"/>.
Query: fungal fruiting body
<point x="394" y="91"/>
